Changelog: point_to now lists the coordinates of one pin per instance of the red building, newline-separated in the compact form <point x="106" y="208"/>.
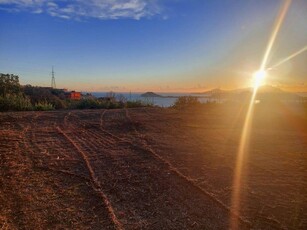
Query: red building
<point x="73" y="95"/>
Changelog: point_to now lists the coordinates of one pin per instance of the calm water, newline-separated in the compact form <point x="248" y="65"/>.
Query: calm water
<point x="159" y="101"/>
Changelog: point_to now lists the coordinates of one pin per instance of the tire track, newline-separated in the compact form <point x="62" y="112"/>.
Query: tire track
<point x="95" y="182"/>
<point x="135" y="166"/>
<point x="143" y="146"/>
<point x="187" y="179"/>
<point x="101" y="118"/>
<point x="138" y="169"/>
<point x="93" y="130"/>
<point x="36" y="181"/>
<point x="12" y="166"/>
<point x="115" y="138"/>
<point x="147" y="148"/>
<point x="261" y="169"/>
<point x="108" y="137"/>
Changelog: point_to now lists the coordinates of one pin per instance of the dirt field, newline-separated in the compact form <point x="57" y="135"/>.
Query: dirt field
<point x="151" y="168"/>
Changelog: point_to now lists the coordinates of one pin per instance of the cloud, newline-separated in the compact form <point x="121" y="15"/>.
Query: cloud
<point x="78" y="9"/>
<point x="37" y="11"/>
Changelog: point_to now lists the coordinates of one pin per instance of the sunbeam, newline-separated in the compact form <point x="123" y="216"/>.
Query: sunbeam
<point x="277" y="26"/>
<point x="259" y="76"/>
<point x="288" y="58"/>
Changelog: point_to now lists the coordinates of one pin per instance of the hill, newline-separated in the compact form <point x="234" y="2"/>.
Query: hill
<point x="150" y="94"/>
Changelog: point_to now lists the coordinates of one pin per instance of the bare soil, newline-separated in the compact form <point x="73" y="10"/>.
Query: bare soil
<point x="152" y="168"/>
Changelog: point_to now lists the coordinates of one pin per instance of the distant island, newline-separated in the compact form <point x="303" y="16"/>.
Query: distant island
<point x="150" y="94"/>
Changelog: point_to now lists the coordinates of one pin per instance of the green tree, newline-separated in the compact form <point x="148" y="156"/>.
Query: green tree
<point x="9" y="84"/>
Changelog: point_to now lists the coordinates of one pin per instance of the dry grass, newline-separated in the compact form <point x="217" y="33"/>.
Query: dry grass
<point x="151" y="169"/>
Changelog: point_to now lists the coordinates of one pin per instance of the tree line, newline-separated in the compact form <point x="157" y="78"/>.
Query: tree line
<point x="15" y="97"/>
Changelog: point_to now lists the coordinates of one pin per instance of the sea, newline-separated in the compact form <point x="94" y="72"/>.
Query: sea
<point x="167" y="100"/>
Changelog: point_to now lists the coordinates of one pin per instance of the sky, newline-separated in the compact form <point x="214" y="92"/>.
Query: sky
<point x="151" y="45"/>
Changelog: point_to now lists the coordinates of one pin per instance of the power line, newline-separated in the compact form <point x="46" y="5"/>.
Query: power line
<point x="53" y="79"/>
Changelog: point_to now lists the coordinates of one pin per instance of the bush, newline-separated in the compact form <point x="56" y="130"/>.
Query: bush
<point x="15" y="102"/>
<point x="43" y="106"/>
<point x="57" y="102"/>
<point x="92" y="103"/>
<point x="186" y="102"/>
<point x="87" y="104"/>
<point x="56" y="97"/>
<point x="137" y="104"/>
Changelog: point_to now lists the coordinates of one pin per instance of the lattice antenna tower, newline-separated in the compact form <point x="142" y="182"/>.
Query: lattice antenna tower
<point x="53" y="79"/>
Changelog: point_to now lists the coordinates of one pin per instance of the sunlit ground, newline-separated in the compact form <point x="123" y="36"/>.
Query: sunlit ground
<point x="258" y="79"/>
<point x="271" y="178"/>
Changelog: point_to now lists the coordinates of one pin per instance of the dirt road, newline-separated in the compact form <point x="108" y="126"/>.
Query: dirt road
<point x="146" y="169"/>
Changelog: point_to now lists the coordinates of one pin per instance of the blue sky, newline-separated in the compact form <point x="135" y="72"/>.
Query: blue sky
<point x="139" y="45"/>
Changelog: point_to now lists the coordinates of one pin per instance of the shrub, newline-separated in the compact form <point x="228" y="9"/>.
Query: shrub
<point x="137" y="104"/>
<point x="87" y="104"/>
<point x="17" y="102"/>
<point x="58" y="103"/>
<point x="186" y="102"/>
<point x="43" y="106"/>
<point x="56" y="97"/>
<point x="113" y="105"/>
<point x="92" y="103"/>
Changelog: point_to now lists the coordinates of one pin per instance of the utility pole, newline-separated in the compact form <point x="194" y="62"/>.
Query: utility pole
<point x="53" y="79"/>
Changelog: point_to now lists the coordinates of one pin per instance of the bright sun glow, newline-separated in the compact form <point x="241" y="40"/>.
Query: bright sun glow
<point x="258" y="78"/>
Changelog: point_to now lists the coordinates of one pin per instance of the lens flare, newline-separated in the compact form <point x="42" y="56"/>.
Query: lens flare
<point x="243" y="147"/>
<point x="289" y="57"/>
<point x="258" y="78"/>
<point x="278" y="24"/>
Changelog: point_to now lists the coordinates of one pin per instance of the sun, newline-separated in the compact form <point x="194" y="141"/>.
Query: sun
<point x="258" y="78"/>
